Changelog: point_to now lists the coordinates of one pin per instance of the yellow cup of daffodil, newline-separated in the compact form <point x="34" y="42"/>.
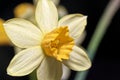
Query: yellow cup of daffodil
<point x="49" y="45"/>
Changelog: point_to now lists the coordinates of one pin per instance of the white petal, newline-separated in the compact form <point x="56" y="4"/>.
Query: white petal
<point x="23" y="33"/>
<point x="56" y="2"/>
<point x="78" y="60"/>
<point x="25" y="62"/>
<point x="66" y="72"/>
<point x="46" y="15"/>
<point x="50" y="69"/>
<point x="76" y="24"/>
<point x="81" y="38"/>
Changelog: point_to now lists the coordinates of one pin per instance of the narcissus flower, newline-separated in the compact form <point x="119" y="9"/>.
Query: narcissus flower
<point x="4" y="40"/>
<point x="26" y="11"/>
<point x="49" y="45"/>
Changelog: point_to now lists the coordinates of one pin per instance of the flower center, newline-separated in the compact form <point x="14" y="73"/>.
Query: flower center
<point x="58" y="43"/>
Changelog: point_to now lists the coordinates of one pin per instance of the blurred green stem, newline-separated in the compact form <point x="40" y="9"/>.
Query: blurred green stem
<point x="99" y="32"/>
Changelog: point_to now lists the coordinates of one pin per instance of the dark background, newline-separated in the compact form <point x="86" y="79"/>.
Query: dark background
<point x="106" y="64"/>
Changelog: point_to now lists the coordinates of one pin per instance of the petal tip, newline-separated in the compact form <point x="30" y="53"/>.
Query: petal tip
<point x="10" y="72"/>
<point x="85" y="17"/>
<point x="88" y="66"/>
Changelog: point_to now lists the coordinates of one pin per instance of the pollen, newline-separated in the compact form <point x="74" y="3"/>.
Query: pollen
<point x="58" y="43"/>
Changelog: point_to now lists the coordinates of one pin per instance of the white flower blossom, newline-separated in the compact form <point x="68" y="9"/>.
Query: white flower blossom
<point x="48" y="45"/>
